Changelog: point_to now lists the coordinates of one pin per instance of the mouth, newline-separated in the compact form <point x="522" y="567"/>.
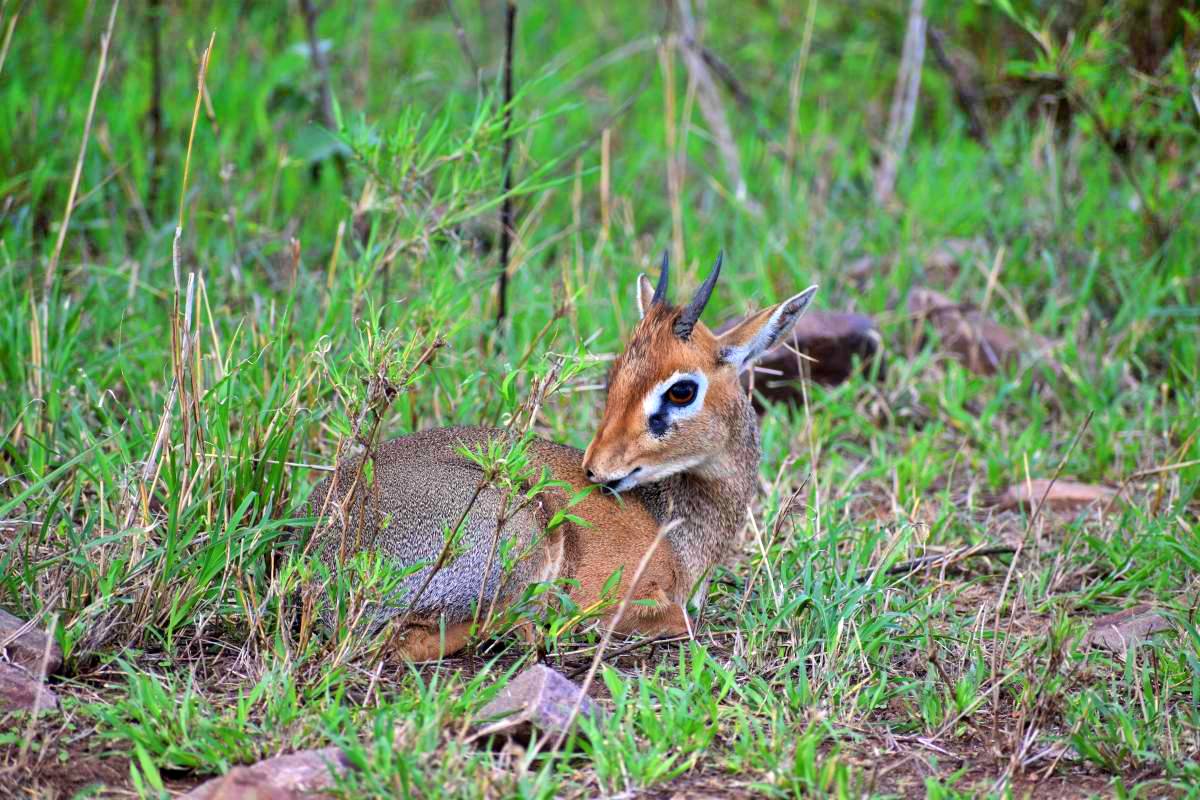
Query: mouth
<point x="618" y="485"/>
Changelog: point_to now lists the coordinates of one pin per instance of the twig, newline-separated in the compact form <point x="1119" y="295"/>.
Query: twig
<point x="904" y="103"/>
<point x="1146" y="473"/>
<point x="965" y="93"/>
<point x="674" y="172"/>
<point x="443" y="556"/>
<point x="1124" y="156"/>
<point x="506" y="207"/>
<point x="187" y="159"/>
<point x="158" y="144"/>
<point x="1125" y="161"/>
<point x="105" y="41"/>
<point x="711" y="106"/>
<point x="378" y="399"/>
<point x="324" y="96"/>
<point x="942" y="560"/>
<point x="781" y="516"/>
<point x="320" y="65"/>
<point x="291" y="464"/>
<point x="726" y="75"/>
<point x="460" y="33"/>
<point x="625" y="650"/>
<point x="950" y="724"/>
<point x="121" y="174"/>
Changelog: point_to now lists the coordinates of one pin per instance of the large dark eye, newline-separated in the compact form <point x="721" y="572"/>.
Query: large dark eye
<point x="681" y="393"/>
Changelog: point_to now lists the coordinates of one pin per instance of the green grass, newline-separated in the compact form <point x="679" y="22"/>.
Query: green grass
<point x="179" y="593"/>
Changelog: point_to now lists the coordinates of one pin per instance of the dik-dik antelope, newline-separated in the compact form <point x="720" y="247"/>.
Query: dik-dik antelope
<point x="678" y="442"/>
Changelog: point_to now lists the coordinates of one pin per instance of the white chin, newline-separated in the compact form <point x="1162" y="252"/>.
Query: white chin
<point x="625" y="485"/>
<point x="655" y="474"/>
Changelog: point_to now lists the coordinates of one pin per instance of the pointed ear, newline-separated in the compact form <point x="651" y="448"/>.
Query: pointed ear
<point x="743" y="344"/>
<point x="645" y="294"/>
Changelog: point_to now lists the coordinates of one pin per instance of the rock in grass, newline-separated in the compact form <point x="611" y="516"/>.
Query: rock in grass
<point x="28" y="648"/>
<point x="983" y="345"/>
<point x="1123" y="630"/>
<point x="291" y="777"/>
<point x="833" y="344"/>
<point x="1059" y="495"/>
<point x="21" y="690"/>
<point x="538" y="699"/>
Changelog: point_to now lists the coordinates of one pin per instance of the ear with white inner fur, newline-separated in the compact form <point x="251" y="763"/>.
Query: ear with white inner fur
<point x="742" y="345"/>
<point x="645" y="294"/>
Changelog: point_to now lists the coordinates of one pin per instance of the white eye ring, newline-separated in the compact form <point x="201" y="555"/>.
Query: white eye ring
<point x="655" y="400"/>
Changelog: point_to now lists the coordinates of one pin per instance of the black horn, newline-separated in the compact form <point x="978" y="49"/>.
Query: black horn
<point x="690" y="315"/>
<point x="660" y="291"/>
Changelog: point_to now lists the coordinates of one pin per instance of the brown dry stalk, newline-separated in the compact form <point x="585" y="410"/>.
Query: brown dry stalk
<point x="537" y="396"/>
<point x="904" y="103"/>
<point x="666" y="62"/>
<point x="377" y="401"/>
<point x="539" y="393"/>
<point x="796" y="88"/>
<point x="310" y="12"/>
<point x="781" y="516"/>
<point x="150" y="470"/>
<point x="966" y="93"/>
<point x="628" y="648"/>
<point x="121" y="173"/>
<point x="1147" y="473"/>
<point x="444" y="555"/>
<point x="105" y="41"/>
<point x="158" y="142"/>
<point x="8" y="35"/>
<point x="201" y="74"/>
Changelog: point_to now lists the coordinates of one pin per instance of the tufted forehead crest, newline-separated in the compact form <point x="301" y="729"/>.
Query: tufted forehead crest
<point x="655" y="351"/>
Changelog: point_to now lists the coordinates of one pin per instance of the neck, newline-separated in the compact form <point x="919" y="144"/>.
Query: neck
<point x="710" y="501"/>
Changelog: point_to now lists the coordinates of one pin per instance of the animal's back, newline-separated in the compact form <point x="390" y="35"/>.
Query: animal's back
<point x="419" y="487"/>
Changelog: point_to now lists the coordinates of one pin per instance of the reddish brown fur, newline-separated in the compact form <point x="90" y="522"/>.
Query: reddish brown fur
<point x="621" y="531"/>
<point x="653" y="354"/>
<point x="696" y="485"/>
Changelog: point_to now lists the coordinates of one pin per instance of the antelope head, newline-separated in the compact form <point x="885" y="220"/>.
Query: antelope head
<point x="674" y="399"/>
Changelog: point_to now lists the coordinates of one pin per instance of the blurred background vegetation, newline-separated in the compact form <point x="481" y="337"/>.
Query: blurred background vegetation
<point x="341" y="215"/>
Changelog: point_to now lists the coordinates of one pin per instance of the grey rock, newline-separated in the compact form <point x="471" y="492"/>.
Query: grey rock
<point x="305" y="774"/>
<point x="540" y="699"/>
<point x="28" y="647"/>
<point x="1126" y="629"/>
<point x="1061" y="495"/>
<point x="833" y="343"/>
<point x="22" y="691"/>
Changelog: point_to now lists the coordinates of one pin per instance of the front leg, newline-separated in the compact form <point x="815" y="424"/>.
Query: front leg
<point x="665" y="618"/>
<point x="428" y="642"/>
